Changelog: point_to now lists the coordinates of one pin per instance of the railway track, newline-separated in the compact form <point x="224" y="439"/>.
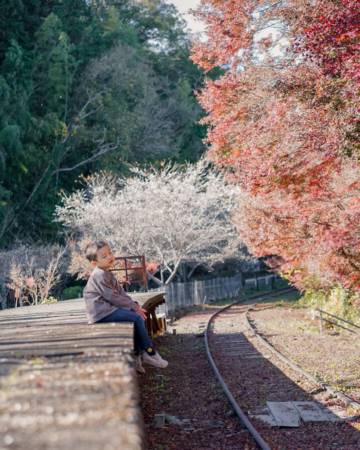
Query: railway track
<point x="230" y="350"/>
<point x="322" y="385"/>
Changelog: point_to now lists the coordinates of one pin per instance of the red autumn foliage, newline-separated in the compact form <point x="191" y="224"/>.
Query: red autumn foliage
<point x="331" y="37"/>
<point x="152" y="267"/>
<point x="284" y="128"/>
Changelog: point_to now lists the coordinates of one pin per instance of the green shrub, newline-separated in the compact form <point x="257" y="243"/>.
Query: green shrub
<point x="49" y="300"/>
<point x="72" y="292"/>
<point x="337" y="300"/>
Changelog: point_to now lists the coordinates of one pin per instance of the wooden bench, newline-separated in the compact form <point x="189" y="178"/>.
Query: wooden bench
<point x="156" y="322"/>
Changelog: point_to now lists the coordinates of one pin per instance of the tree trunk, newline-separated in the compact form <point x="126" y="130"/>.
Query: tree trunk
<point x="189" y="275"/>
<point x="173" y="273"/>
<point x="156" y="280"/>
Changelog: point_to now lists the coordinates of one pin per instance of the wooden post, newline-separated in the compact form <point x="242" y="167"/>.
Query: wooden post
<point x="273" y="284"/>
<point x="144" y="275"/>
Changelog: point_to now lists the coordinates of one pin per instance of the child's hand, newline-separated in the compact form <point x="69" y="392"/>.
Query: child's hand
<point x="142" y="312"/>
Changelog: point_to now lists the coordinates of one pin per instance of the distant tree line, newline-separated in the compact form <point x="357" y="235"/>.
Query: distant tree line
<point x="88" y="85"/>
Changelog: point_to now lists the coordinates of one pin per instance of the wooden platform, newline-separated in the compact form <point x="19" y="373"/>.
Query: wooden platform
<point x="65" y="384"/>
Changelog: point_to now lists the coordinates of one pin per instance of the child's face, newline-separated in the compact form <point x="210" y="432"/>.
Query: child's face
<point x="105" y="258"/>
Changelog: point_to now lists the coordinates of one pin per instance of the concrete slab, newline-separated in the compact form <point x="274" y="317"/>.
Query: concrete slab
<point x="310" y="412"/>
<point x="266" y="418"/>
<point x="285" y="414"/>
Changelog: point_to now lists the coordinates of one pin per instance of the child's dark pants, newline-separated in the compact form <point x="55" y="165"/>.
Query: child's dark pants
<point x="142" y="341"/>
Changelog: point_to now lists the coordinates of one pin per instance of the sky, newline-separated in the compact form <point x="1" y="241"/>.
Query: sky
<point x="183" y="6"/>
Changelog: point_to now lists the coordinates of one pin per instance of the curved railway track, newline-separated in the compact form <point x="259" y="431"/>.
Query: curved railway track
<point x="236" y="407"/>
<point x="241" y="344"/>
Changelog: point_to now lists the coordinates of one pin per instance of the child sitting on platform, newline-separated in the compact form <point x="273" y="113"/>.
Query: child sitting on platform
<point x="106" y="301"/>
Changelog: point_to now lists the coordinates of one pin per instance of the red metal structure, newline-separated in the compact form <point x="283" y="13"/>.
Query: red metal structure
<point x="133" y="269"/>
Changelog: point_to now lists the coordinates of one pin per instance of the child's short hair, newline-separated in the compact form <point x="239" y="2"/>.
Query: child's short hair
<point x="92" y="249"/>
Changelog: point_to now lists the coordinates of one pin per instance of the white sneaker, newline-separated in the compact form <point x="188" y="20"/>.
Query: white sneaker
<point x="154" y="360"/>
<point x="138" y="364"/>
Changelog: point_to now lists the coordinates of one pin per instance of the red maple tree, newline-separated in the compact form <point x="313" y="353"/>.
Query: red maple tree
<point x="283" y="125"/>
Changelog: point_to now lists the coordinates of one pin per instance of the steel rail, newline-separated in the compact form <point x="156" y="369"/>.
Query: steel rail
<point x="338" y="318"/>
<point x="239" y="412"/>
<point x="339" y="326"/>
<point x="347" y="400"/>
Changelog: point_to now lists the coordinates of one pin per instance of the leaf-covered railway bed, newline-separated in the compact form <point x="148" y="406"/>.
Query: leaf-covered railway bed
<point x="188" y="391"/>
<point x="258" y="380"/>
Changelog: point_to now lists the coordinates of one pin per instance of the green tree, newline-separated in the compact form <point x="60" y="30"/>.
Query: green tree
<point x="86" y="85"/>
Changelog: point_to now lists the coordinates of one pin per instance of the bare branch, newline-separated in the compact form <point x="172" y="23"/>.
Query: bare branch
<point x="105" y="149"/>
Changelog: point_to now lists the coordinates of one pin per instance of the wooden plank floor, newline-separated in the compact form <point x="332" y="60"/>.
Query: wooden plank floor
<point x="65" y="384"/>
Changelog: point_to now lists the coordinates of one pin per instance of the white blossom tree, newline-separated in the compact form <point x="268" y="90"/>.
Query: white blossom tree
<point x="171" y="215"/>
